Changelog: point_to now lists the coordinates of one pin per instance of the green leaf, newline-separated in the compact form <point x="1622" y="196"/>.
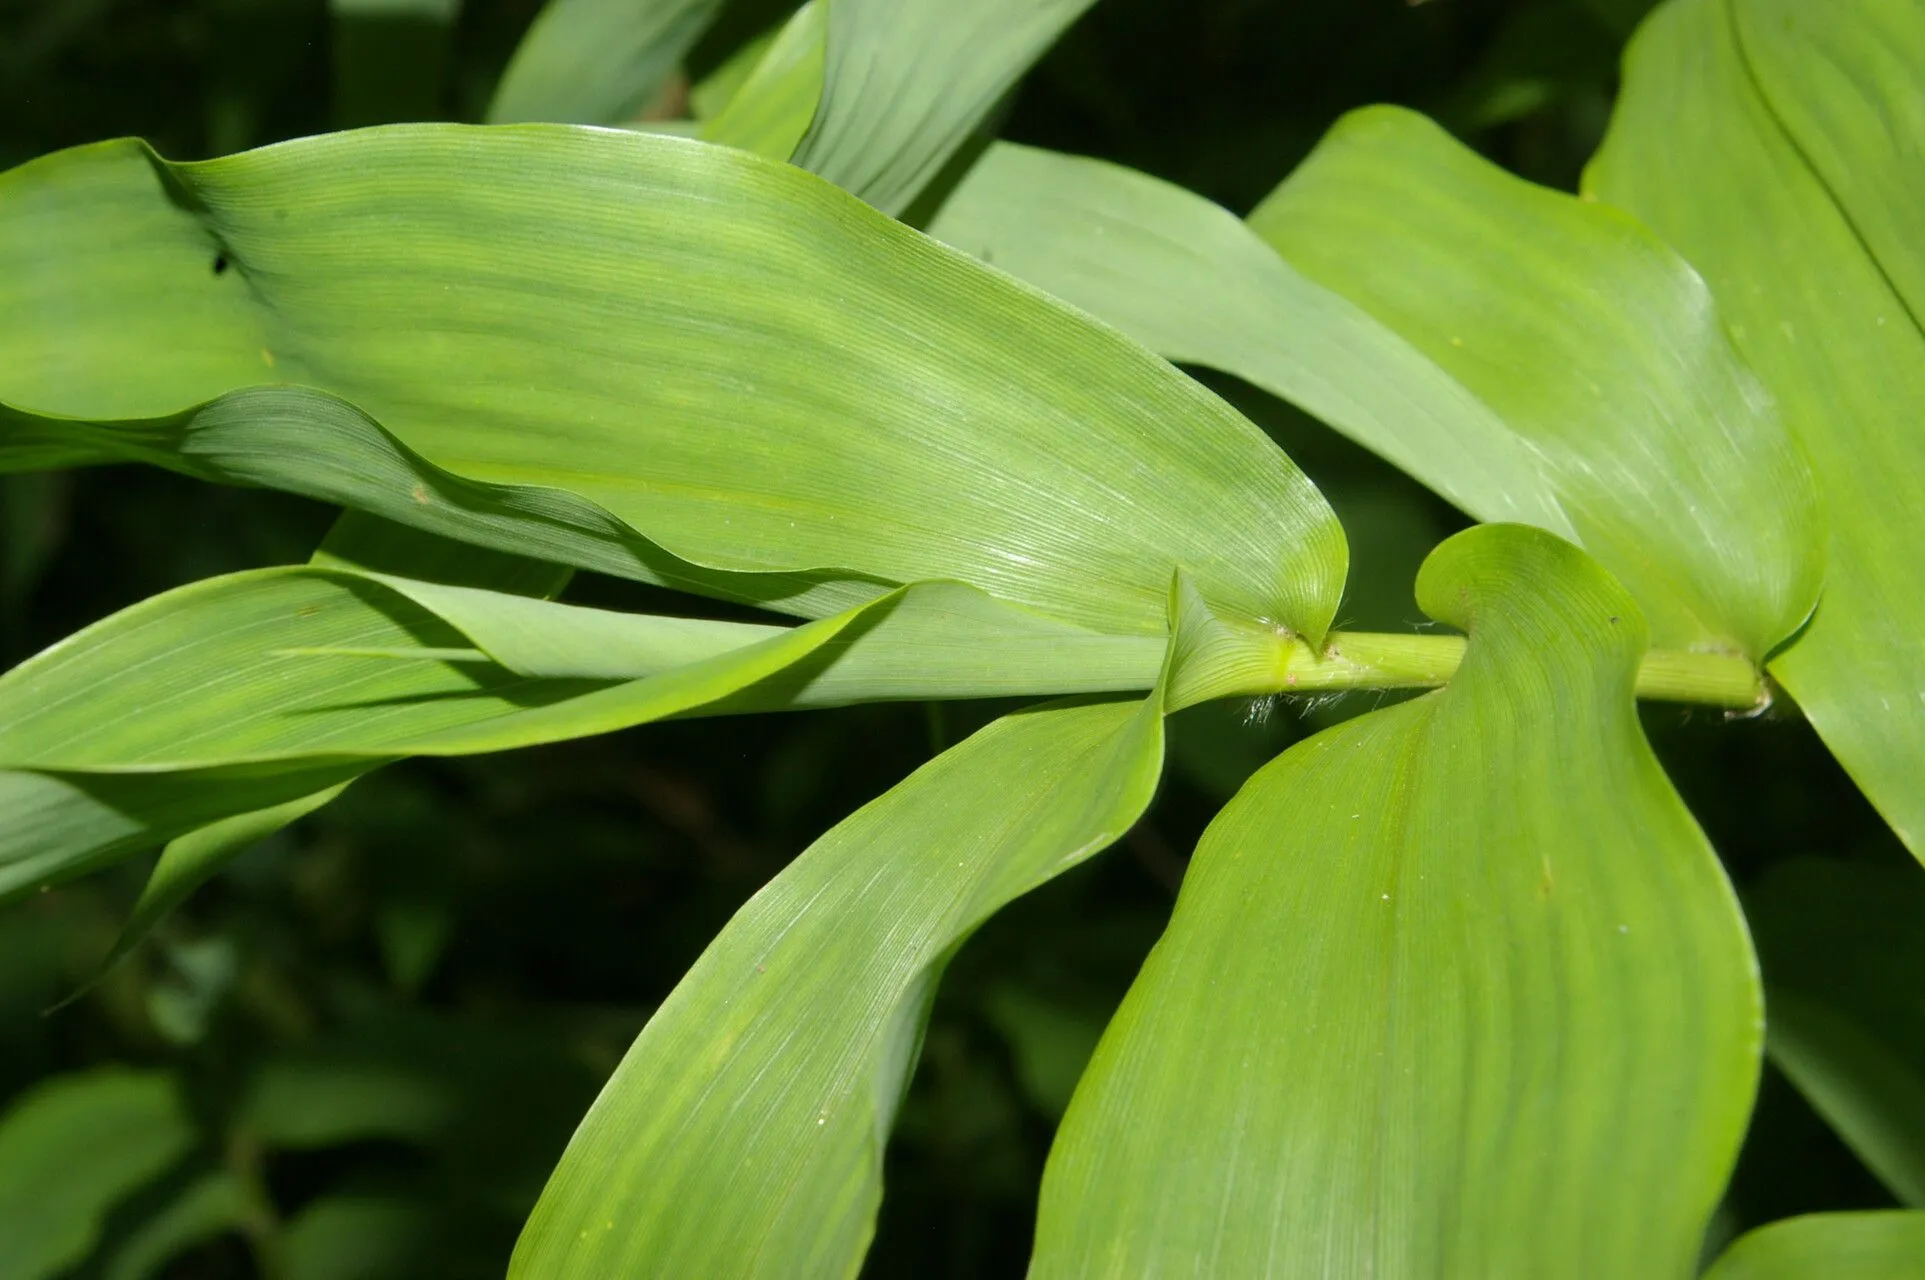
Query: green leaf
<point x="597" y="61"/>
<point x="71" y="1149"/>
<point x="1819" y="320"/>
<point x="732" y="358"/>
<point x="1843" y="945"/>
<point x="1189" y="280"/>
<point x="209" y="1207"/>
<point x="62" y="825"/>
<point x="1829" y="1246"/>
<point x="1530" y="357"/>
<point x="361" y="1237"/>
<point x="1454" y="988"/>
<point x="772" y="109"/>
<point x="743" y="1133"/>
<point x="908" y="81"/>
<point x="1597" y="345"/>
<point x="312" y="665"/>
<point x="1845" y="82"/>
<point x="188" y="860"/>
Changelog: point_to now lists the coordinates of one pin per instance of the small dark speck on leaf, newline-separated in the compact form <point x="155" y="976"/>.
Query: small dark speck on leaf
<point x="220" y="264"/>
<point x="1614" y="619"/>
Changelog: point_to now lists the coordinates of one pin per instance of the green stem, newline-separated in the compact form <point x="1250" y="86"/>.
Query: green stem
<point x="1367" y="660"/>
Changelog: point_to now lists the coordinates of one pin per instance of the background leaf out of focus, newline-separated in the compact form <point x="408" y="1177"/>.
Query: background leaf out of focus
<point x="360" y="1050"/>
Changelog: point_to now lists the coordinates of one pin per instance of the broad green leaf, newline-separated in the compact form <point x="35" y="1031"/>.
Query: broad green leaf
<point x="743" y="1133"/>
<point x="314" y="444"/>
<point x="1192" y="282"/>
<point x="1843" y="947"/>
<point x="1846" y="81"/>
<point x="908" y="81"/>
<point x="1529" y="357"/>
<point x="70" y="1149"/>
<point x="771" y="110"/>
<point x="1598" y="346"/>
<point x="368" y="544"/>
<point x="1888" y="1245"/>
<point x="314" y="665"/>
<point x="1819" y="320"/>
<point x="732" y="358"/>
<point x="207" y="1208"/>
<point x="1456" y="988"/>
<point x="597" y="61"/>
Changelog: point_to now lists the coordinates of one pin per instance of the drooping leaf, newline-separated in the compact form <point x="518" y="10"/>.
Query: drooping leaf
<point x="314" y="676"/>
<point x="1454" y="988"/>
<point x="71" y="1149"/>
<point x="60" y="825"/>
<point x="1843" y="948"/>
<point x="1887" y="1245"/>
<point x="743" y="1133"/>
<point x="734" y="359"/>
<point x="188" y="860"/>
<point x="597" y="61"/>
<point x="1819" y="320"/>
<point x="310" y="664"/>
<point x="907" y="82"/>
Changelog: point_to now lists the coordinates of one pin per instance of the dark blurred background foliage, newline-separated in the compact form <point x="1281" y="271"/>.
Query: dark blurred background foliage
<point x="389" y="1017"/>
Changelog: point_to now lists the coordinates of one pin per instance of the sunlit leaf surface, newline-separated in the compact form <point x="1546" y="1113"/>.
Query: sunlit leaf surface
<point x="735" y="359"/>
<point x="1455" y="988"/>
<point x="743" y="1133"/>
<point x="1528" y="356"/>
<point x="1831" y="328"/>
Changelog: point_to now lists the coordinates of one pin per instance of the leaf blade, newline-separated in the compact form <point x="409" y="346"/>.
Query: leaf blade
<point x="1419" y="952"/>
<point x="1832" y="341"/>
<point x="893" y="411"/>
<point x="742" y="1134"/>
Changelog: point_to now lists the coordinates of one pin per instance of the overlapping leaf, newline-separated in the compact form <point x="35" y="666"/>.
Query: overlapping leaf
<point x="743" y="1133"/>
<point x="734" y="359"/>
<point x="1455" y="988"/>
<point x="1832" y="329"/>
<point x="1528" y="356"/>
<point x="908" y="81"/>
<point x="597" y="61"/>
<point x="1829" y="1246"/>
